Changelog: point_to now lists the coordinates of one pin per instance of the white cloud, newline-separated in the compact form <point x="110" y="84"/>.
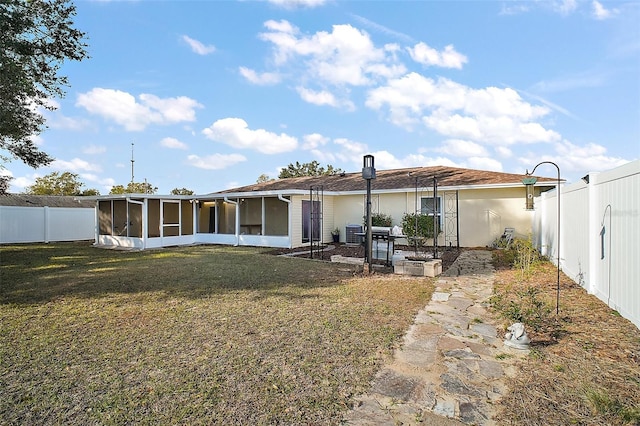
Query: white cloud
<point x="173" y="143"/>
<point x="461" y="148"/>
<point x="386" y="160"/>
<point x="75" y="165"/>
<point x="215" y="161"/>
<point x="499" y="130"/>
<point x="172" y="110"/>
<point x="346" y="151"/>
<point x="314" y="141"/>
<point x="292" y="4"/>
<point x="105" y="182"/>
<point x="123" y="108"/>
<point x="483" y="163"/>
<point x="492" y="115"/>
<point x="59" y="121"/>
<point x="426" y="55"/>
<point x="588" y="158"/>
<point x="345" y="56"/>
<point x="263" y="79"/>
<point x="503" y="151"/>
<point x="19" y="184"/>
<point x="37" y="140"/>
<point x="198" y="47"/>
<point x="324" y="97"/>
<point x="564" y="7"/>
<point x="600" y="12"/>
<point x="235" y="132"/>
<point x="513" y="9"/>
<point x="94" y="149"/>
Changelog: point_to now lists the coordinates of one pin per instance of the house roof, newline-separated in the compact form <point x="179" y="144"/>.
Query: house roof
<point x="393" y="180"/>
<point x="24" y="200"/>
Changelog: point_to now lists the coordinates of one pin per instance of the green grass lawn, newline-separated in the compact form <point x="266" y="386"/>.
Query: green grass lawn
<point x="196" y="335"/>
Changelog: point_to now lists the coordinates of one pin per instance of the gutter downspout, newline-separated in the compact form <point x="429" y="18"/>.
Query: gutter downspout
<point x="235" y="203"/>
<point x="281" y="198"/>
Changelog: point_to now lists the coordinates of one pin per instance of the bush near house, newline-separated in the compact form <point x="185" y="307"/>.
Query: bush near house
<point x="424" y="225"/>
<point x="378" y="219"/>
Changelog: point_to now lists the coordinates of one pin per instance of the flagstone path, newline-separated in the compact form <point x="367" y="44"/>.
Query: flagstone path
<point x="452" y="365"/>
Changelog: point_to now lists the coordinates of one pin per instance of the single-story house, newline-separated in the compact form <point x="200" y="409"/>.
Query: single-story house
<point x="472" y="206"/>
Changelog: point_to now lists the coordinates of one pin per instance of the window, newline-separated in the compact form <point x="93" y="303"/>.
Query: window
<point x="426" y="207"/>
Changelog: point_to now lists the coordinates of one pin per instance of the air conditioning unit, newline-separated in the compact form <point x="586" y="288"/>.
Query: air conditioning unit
<point x="351" y="237"/>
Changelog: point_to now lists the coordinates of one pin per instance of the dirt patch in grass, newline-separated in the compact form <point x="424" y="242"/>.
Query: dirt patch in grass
<point x="584" y="365"/>
<point x="197" y="335"/>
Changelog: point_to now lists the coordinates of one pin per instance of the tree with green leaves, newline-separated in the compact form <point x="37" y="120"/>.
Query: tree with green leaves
<point x="307" y="169"/>
<point x="134" y="188"/>
<point x="56" y="183"/>
<point x="36" y="38"/>
<point x="181" y="191"/>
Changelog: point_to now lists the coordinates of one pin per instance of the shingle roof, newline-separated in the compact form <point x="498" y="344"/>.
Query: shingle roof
<point x="392" y="179"/>
<point x="24" y="200"/>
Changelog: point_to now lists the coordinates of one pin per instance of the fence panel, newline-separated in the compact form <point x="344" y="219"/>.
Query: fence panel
<point x="600" y="235"/>
<point x="44" y="224"/>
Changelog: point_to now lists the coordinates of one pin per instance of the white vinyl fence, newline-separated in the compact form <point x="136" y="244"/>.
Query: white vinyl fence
<point x="45" y="224"/>
<point x="599" y="236"/>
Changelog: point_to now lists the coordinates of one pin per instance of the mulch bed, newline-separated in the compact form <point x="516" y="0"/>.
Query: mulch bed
<point x="447" y="256"/>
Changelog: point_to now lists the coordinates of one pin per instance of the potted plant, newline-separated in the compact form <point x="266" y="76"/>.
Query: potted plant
<point x="336" y="234"/>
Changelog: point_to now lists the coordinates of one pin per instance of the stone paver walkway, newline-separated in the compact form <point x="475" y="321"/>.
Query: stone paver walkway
<point x="448" y="370"/>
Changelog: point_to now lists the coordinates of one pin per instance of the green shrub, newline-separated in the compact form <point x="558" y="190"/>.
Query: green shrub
<point x="378" y="219"/>
<point x="528" y="308"/>
<point x="424" y="228"/>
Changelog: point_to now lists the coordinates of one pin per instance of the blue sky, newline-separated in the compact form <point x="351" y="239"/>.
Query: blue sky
<point x="215" y="93"/>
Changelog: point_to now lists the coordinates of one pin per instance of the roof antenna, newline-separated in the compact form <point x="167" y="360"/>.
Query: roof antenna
<point x="132" y="161"/>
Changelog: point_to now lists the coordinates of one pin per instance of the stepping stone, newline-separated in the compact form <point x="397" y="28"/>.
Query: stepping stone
<point x="461" y="354"/>
<point x="448" y="343"/>
<point x="460" y="303"/>
<point x="484" y="329"/>
<point x="426" y="330"/>
<point x="470" y="414"/>
<point x="455" y="386"/>
<point x="440" y="297"/>
<point x="419" y="358"/>
<point x="395" y="385"/>
<point x="445" y="408"/>
<point x="490" y="369"/>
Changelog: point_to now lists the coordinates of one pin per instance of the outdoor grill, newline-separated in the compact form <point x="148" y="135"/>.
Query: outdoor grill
<point x="383" y="242"/>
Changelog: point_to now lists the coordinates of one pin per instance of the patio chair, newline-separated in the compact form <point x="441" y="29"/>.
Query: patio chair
<point x="504" y="241"/>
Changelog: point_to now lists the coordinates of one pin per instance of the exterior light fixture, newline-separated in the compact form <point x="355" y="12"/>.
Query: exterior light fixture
<point x="529" y="181"/>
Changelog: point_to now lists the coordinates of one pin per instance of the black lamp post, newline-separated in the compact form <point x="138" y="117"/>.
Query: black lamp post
<point x="368" y="173"/>
<point x="435" y="217"/>
<point x="529" y="181"/>
<point x="415" y="216"/>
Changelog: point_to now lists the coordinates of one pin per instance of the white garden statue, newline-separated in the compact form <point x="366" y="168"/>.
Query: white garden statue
<point x="516" y="337"/>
